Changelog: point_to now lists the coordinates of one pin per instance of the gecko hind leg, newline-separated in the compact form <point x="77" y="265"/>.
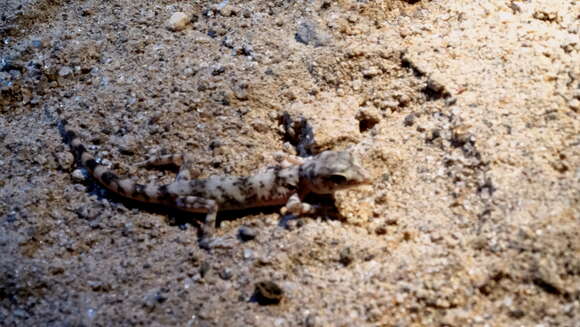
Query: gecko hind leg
<point x="198" y="204"/>
<point x="185" y="169"/>
<point x="164" y="160"/>
<point x="183" y="161"/>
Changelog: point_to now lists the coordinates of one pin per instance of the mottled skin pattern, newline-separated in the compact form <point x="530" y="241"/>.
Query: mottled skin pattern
<point x="283" y="184"/>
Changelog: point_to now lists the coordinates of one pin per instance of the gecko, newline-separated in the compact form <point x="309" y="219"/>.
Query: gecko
<point x="284" y="184"/>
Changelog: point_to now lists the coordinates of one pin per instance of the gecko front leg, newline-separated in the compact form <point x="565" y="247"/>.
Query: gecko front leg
<point x="198" y="204"/>
<point x="285" y="160"/>
<point x="184" y="173"/>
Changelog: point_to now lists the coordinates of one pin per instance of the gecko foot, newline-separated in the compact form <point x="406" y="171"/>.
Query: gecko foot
<point x="296" y="207"/>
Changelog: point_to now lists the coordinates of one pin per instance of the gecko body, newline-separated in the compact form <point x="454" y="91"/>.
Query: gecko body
<point x="284" y="184"/>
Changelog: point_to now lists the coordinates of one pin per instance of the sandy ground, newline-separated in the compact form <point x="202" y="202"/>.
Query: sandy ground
<point x="465" y="113"/>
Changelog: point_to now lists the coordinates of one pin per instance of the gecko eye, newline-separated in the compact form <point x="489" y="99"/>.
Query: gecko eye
<point x="337" y="179"/>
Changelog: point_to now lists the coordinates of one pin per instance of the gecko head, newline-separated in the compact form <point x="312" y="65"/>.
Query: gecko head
<point x="332" y="171"/>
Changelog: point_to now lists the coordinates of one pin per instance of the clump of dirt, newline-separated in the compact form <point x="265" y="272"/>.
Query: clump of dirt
<point x="464" y="113"/>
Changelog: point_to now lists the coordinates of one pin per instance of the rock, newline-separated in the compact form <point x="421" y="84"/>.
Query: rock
<point x="309" y="34"/>
<point x="178" y="21"/>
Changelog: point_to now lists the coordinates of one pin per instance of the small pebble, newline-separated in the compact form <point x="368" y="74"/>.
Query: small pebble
<point x="312" y="321"/>
<point x="153" y="299"/>
<point x="247" y="233"/>
<point x="79" y="188"/>
<point x="37" y="44"/>
<point x="204" y="269"/>
<point x="371" y="72"/>
<point x="226" y="274"/>
<point x="65" y="71"/>
<point x="126" y="144"/>
<point x="64" y="159"/>
<point x="404" y="100"/>
<point x="368" y="117"/>
<point x="240" y="93"/>
<point x="248" y="254"/>
<point x="178" y="21"/>
<point x="346" y="256"/>
<point x="268" y="292"/>
<point x="260" y="125"/>
<point x="309" y="34"/>
<point x="79" y="175"/>
<point x="574" y="104"/>
<point x="228" y="11"/>
<point x="437" y="88"/>
<point x="88" y="212"/>
<point x="409" y="120"/>
<point x="91" y="313"/>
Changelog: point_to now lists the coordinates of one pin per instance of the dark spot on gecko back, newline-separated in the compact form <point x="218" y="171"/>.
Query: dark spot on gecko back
<point x="243" y="183"/>
<point x="277" y="178"/>
<point x="139" y="192"/>
<point x="198" y="187"/>
<point x="163" y="192"/>
<point x="247" y="190"/>
<point x="69" y="136"/>
<point x="79" y="150"/>
<point x="91" y="164"/>
<point x="109" y="177"/>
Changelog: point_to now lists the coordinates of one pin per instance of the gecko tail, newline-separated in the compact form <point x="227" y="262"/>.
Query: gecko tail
<point x="121" y="185"/>
<point x="79" y="151"/>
